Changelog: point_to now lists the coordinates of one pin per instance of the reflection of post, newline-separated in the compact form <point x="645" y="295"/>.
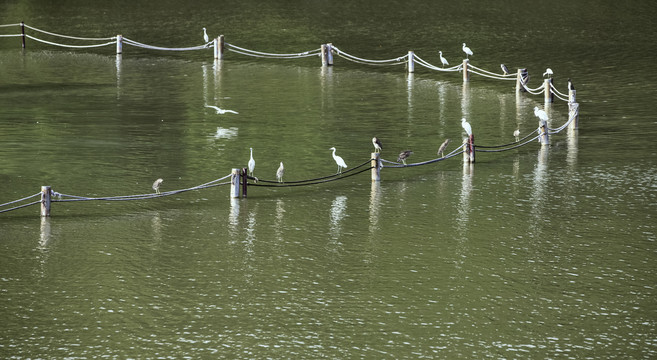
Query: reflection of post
<point x="338" y="208"/>
<point x="375" y="164"/>
<point x="375" y="204"/>
<point x="464" y="199"/>
<point x="571" y="158"/>
<point x="233" y="216"/>
<point x="538" y="189"/>
<point x="45" y="232"/>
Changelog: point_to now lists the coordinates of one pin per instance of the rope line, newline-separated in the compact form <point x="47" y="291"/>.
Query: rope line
<point x="10" y="35"/>
<point x="326" y="179"/>
<point x="510" y="148"/>
<point x="309" y="180"/>
<point x="244" y="51"/>
<point x="424" y="63"/>
<point x="21" y="206"/>
<point x="19" y="200"/>
<point x="459" y="150"/>
<point x="145" y="46"/>
<point x="69" y="46"/>
<point x="509" y="144"/>
<point x="575" y="112"/>
<point x="396" y="61"/>
<point x="67" y="36"/>
<point x="8" y="25"/>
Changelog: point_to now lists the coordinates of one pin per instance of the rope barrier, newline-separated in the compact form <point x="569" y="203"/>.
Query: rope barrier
<point x="21" y="206"/>
<point x="151" y="47"/>
<point x="453" y="153"/>
<point x="490" y="74"/>
<point x="20" y="200"/>
<point x="248" y="52"/>
<point x="311" y="180"/>
<point x="12" y="35"/>
<point x="67" y="36"/>
<point x="539" y="90"/>
<point x="326" y="179"/>
<point x="559" y="95"/>
<point x="69" y="46"/>
<point x="8" y="25"/>
<point x="427" y="65"/>
<point x="574" y="114"/>
<point x="509" y="144"/>
<point x="511" y="148"/>
<point x="396" y="61"/>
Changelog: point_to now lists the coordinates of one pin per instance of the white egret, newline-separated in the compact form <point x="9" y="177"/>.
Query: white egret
<point x="339" y="161"/>
<point x="205" y="36"/>
<point x="516" y="134"/>
<point x="280" y="172"/>
<point x="441" y="149"/>
<point x="570" y="85"/>
<point x="467" y="51"/>
<point x="466" y="126"/>
<point x="540" y="113"/>
<point x="442" y="59"/>
<point x="251" y="164"/>
<point x="377" y="144"/>
<point x="403" y="156"/>
<point x="548" y="72"/>
<point x="505" y="70"/>
<point x="156" y="185"/>
<point x="221" y="111"/>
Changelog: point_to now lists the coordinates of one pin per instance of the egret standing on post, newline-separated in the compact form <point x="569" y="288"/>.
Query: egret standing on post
<point x="540" y="113"/>
<point x="377" y="144"/>
<point x="466" y="126"/>
<point x="339" y="161"/>
<point x="280" y="172"/>
<point x="505" y="70"/>
<point x="251" y="163"/>
<point x="441" y="149"/>
<point x="156" y="185"/>
<point x="548" y="72"/>
<point x="205" y="36"/>
<point x="467" y="51"/>
<point x="404" y="155"/>
<point x="442" y="59"/>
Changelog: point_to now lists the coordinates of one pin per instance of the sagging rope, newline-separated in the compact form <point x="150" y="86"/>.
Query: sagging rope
<point x="505" y="145"/>
<point x="491" y="75"/>
<point x="510" y="148"/>
<point x="459" y="150"/>
<point x="396" y="61"/>
<point x="254" y="53"/>
<point x="67" y="36"/>
<point x="69" y="46"/>
<point x="20" y="200"/>
<point x="561" y="96"/>
<point x="574" y="114"/>
<point x="319" y="180"/>
<point x="427" y="65"/>
<point x="151" y="47"/>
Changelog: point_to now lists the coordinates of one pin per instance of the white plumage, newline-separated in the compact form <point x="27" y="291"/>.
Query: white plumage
<point x="251" y="164"/>
<point x="280" y="172"/>
<point x="466" y="126"/>
<point x="540" y="113"/>
<point x="548" y="72"/>
<point x="221" y="111"/>
<point x="339" y="161"/>
<point x="467" y="51"/>
<point x="442" y="59"/>
<point x="156" y="185"/>
<point x="205" y="36"/>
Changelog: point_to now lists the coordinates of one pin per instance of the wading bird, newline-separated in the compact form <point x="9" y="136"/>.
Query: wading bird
<point x="516" y="134"/>
<point x="251" y="164"/>
<point x="540" y="113"/>
<point x="466" y="126"/>
<point x="221" y="111"/>
<point x="280" y="172"/>
<point x="467" y="51"/>
<point x="505" y="70"/>
<point x="403" y="156"/>
<point x="205" y="36"/>
<point x="442" y="59"/>
<point x="339" y="161"/>
<point x="441" y="149"/>
<point x="156" y="185"/>
<point x="548" y="72"/>
<point x="377" y="144"/>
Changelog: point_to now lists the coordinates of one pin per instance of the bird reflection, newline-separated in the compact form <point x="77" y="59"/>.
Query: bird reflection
<point x="221" y="111"/>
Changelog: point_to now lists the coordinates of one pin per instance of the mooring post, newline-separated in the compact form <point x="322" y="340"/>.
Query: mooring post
<point x="520" y="80"/>
<point x="573" y="112"/>
<point x="469" y="149"/>
<point x="549" y="95"/>
<point x="375" y="163"/>
<point x="45" y="200"/>
<point x="219" y="48"/>
<point x="544" y="137"/>
<point x="244" y="179"/>
<point x="466" y="73"/>
<point x="23" y="33"/>
<point x="119" y="44"/>
<point x="411" y="62"/>
<point x="329" y="54"/>
<point x="235" y="183"/>
<point x="323" y="55"/>
<point x="572" y="95"/>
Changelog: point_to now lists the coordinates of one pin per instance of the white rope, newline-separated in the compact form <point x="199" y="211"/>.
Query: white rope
<point x="16" y="35"/>
<point x="7" y="25"/>
<point x="560" y="97"/>
<point x="68" y="37"/>
<point x="536" y="91"/>
<point x="19" y="200"/>
<point x="69" y="46"/>
<point x="575" y="113"/>
<point x="424" y="63"/>
<point x="557" y="91"/>
<point x="151" y="47"/>
<point x="396" y="61"/>
<point x="497" y="77"/>
<point x="273" y="57"/>
<point x="494" y="75"/>
<point x="244" y="51"/>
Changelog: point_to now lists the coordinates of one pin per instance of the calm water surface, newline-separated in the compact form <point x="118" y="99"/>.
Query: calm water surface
<point x="530" y="253"/>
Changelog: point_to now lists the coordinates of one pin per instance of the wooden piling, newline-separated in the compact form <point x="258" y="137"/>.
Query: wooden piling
<point x="520" y="80"/>
<point x="23" y="33"/>
<point x="329" y="54"/>
<point x="324" y="56"/>
<point x="244" y="181"/>
<point x="549" y="95"/>
<point x="219" y="47"/>
<point x="375" y="163"/>
<point x="466" y="73"/>
<point x="411" y="62"/>
<point x="544" y="137"/>
<point x="469" y="150"/>
<point x="572" y="96"/>
<point x="45" y="200"/>
<point x="573" y="111"/>
<point x="119" y="44"/>
<point x="235" y="183"/>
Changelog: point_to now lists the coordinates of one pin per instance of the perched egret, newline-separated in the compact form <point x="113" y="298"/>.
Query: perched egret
<point x="221" y="111"/>
<point x="280" y="172"/>
<point x="441" y="149"/>
<point x="156" y="185"/>
<point x="540" y="113"/>
<point x="205" y="36"/>
<point x="339" y="161"/>
<point x="467" y="51"/>
<point x="466" y="126"/>
<point x="377" y="144"/>
<point x="516" y="134"/>
<point x="403" y="156"/>
<point x="442" y="59"/>
<point x="505" y="70"/>
<point x="570" y="85"/>
<point x="548" y="72"/>
<point x="251" y="163"/>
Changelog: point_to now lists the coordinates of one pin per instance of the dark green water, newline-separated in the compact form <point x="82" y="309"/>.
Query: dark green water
<point x="530" y="253"/>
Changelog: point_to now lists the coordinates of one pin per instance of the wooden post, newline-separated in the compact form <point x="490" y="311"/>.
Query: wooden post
<point x="572" y="96"/>
<point x="219" y="46"/>
<point x="323" y="54"/>
<point x="23" y="33"/>
<point x="469" y="150"/>
<point x="549" y="96"/>
<point x="520" y="80"/>
<point x="45" y="200"/>
<point x="466" y="73"/>
<point x="244" y="180"/>
<point x="573" y="111"/>
<point x="235" y="183"/>
<point x="375" y="163"/>
<point x="411" y="62"/>
<point x="329" y="54"/>
<point x="119" y="44"/>
<point x="544" y="137"/>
